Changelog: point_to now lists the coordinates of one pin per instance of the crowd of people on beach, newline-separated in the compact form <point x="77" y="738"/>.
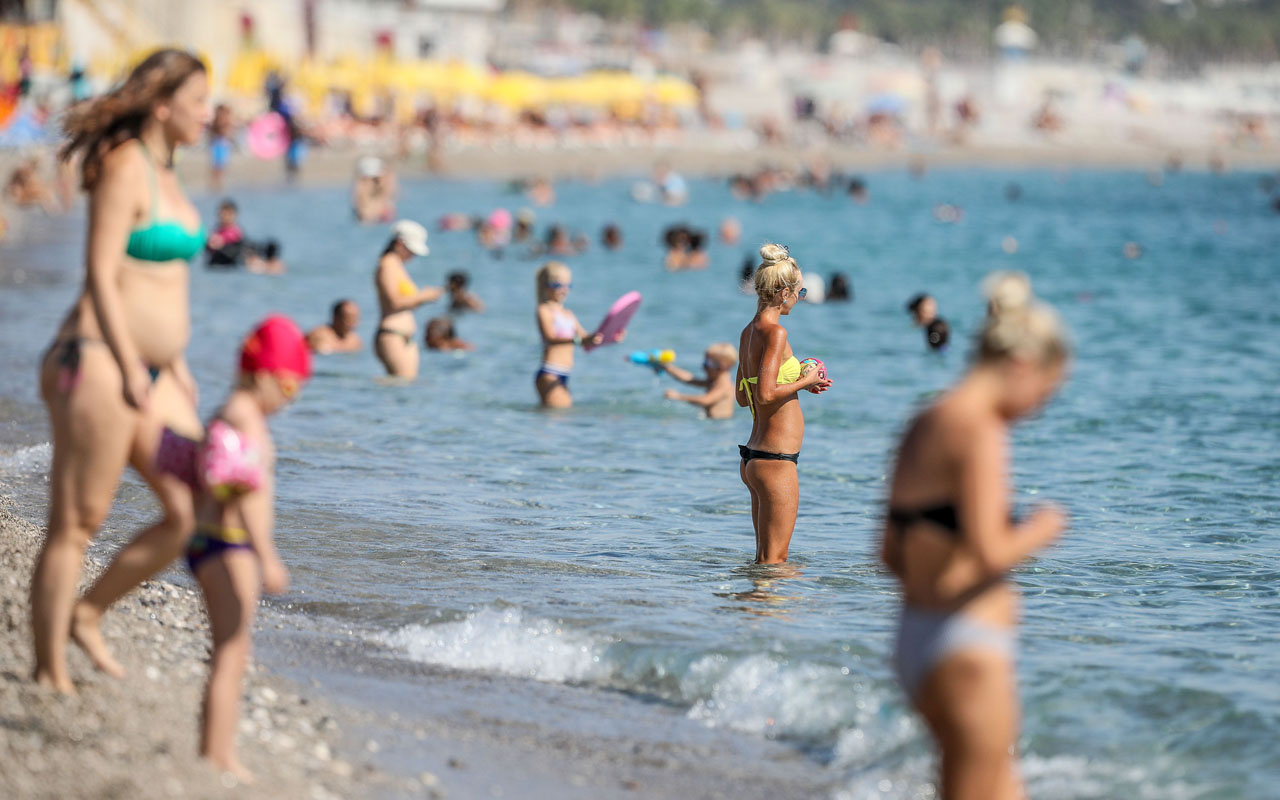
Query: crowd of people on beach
<point x="118" y="392"/>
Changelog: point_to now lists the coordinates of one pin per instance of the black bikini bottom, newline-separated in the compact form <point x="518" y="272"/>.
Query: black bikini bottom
<point x="392" y="332"/>
<point x="747" y="454"/>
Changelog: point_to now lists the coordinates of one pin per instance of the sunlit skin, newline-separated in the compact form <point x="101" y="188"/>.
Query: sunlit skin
<point x="398" y="296"/>
<point x="231" y="581"/>
<point x="339" y="336"/>
<point x="778" y="426"/>
<point x="957" y="451"/>
<point x="717" y="401"/>
<point x="129" y="315"/>
<point x="556" y="349"/>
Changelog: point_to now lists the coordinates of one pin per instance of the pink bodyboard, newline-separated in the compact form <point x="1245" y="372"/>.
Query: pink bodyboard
<point x="619" y="316"/>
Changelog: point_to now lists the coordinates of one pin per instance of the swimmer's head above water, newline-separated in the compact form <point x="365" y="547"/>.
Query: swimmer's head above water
<point x="778" y="278"/>
<point x="1023" y="341"/>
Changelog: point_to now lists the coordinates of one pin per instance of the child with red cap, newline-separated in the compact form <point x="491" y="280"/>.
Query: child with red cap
<point x="232" y="553"/>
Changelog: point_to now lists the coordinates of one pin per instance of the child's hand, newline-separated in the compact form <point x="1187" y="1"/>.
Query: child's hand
<point x="671" y="394"/>
<point x="595" y="339"/>
<point x="275" y="576"/>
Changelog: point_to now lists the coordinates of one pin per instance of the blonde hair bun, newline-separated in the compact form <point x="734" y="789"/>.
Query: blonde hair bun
<point x="777" y="271"/>
<point x="1018" y="325"/>
<point x="1006" y="291"/>
<point x="774" y="254"/>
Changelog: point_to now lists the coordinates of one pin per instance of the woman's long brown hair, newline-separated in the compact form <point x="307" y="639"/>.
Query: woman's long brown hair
<point x="96" y="126"/>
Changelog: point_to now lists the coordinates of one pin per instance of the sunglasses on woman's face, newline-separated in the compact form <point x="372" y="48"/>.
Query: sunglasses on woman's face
<point x="800" y="294"/>
<point x="559" y="285"/>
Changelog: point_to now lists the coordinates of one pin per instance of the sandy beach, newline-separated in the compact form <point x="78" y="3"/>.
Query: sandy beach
<point x="95" y="745"/>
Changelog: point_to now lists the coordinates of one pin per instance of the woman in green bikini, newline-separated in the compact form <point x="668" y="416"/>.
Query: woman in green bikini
<point x="768" y="382"/>
<point x="115" y="375"/>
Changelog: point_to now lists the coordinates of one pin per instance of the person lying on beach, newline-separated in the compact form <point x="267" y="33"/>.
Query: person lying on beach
<point x="232" y="553"/>
<point x="441" y="335"/>
<point x="339" y="335"/>
<point x="460" y="298"/>
<point x="717" y="402"/>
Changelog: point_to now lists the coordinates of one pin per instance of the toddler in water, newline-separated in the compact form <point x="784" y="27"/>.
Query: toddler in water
<point x="560" y="331"/>
<point x="231" y="552"/>
<point x="718" y="399"/>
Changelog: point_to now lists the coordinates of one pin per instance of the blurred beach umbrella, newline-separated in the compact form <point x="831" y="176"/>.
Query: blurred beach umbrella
<point x="460" y="78"/>
<point x="249" y="70"/>
<point x="517" y="90"/>
<point x="672" y="91"/>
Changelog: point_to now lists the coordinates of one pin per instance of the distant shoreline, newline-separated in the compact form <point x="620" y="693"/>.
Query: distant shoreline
<point x="330" y="167"/>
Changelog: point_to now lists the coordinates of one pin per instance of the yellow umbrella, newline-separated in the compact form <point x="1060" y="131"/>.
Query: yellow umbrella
<point x="672" y="91"/>
<point x="249" y="70"/>
<point x="517" y="90"/>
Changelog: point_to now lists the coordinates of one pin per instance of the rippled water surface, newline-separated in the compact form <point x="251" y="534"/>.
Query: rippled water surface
<point x="453" y="522"/>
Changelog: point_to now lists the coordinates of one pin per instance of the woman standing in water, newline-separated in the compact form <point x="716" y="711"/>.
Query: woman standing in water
<point x="396" y="341"/>
<point x="951" y="541"/>
<point x="115" y="374"/>
<point x="768" y="382"/>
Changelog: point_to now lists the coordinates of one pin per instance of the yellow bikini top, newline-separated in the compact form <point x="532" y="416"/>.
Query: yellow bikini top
<point x="788" y="372"/>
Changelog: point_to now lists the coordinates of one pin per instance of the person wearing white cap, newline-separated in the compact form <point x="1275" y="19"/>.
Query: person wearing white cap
<point x="373" y="195"/>
<point x="396" y="342"/>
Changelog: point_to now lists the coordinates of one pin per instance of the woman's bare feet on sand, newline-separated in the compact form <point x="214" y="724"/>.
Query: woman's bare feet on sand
<point x="47" y="680"/>
<point x="234" y="769"/>
<point x="86" y="631"/>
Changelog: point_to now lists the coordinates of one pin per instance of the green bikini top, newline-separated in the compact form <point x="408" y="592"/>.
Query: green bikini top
<point x="162" y="241"/>
<point x="788" y="372"/>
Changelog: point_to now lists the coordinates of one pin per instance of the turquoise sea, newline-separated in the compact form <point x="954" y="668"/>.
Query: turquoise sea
<point x="451" y="522"/>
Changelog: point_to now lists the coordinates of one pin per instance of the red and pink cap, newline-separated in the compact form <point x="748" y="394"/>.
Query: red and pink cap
<point x="276" y="345"/>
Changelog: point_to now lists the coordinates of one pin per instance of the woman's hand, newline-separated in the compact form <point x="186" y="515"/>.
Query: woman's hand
<point x="275" y="576"/>
<point x="137" y="388"/>
<point x="814" y="383"/>
<point x="1048" y="521"/>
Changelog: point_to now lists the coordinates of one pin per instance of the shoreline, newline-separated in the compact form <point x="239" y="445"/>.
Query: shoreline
<point x="296" y="743"/>
<point x="334" y="167"/>
<point x="329" y="714"/>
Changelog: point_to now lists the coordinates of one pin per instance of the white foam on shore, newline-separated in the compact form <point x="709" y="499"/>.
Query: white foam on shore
<point x="27" y="460"/>
<point x="504" y="641"/>
<point x="1065" y="777"/>
<point x="759" y="693"/>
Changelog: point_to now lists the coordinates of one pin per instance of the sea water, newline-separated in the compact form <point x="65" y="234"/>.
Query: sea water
<point x="450" y="521"/>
